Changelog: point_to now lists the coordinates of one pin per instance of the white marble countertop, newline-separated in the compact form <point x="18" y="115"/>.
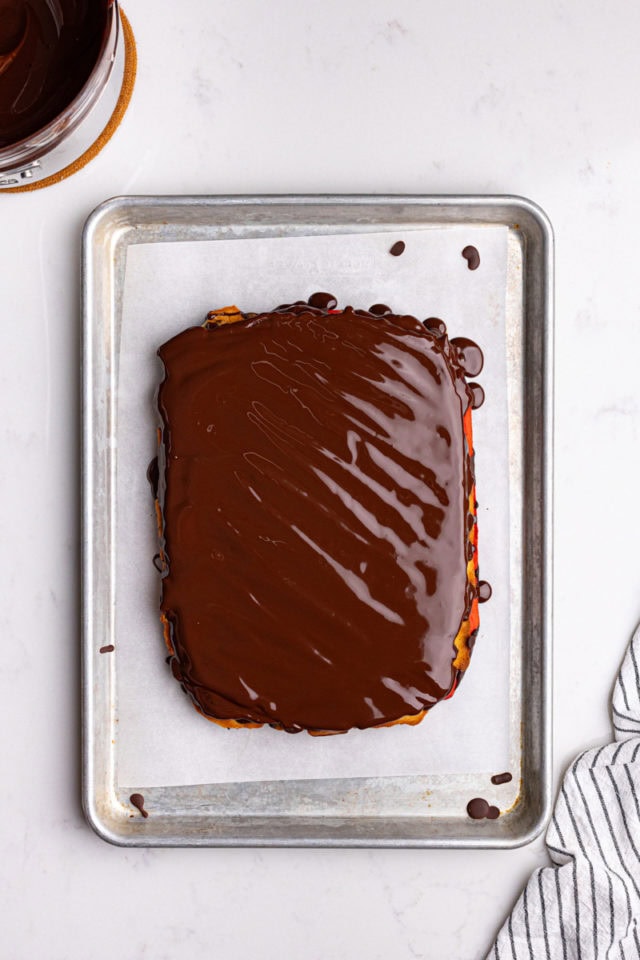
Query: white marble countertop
<point x="360" y="96"/>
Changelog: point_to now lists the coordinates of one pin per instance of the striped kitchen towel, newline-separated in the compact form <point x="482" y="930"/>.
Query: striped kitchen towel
<point x="587" y="906"/>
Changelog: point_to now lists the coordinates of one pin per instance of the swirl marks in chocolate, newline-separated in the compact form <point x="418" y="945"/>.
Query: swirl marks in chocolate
<point x="315" y="482"/>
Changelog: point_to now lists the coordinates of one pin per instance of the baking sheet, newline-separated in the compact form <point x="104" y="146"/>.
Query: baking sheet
<point x="162" y="741"/>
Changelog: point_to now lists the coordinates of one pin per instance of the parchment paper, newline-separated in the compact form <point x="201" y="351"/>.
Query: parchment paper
<point x="162" y="740"/>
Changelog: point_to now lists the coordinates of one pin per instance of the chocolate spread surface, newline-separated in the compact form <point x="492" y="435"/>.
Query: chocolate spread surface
<point x="316" y="491"/>
<point x="48" y="49"/>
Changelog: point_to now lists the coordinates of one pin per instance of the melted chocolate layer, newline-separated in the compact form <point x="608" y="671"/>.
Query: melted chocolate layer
<point x="47" y="52"/>
<point x="315" y="486"/>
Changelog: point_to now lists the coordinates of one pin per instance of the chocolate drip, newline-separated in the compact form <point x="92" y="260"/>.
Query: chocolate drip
<point x="398" y="248"/>
<point x="109" y="648"/>
<point x="325" y="301"/>
<point x="137" y="800"/>
<point x="469" y="355"/>
<point x="47" y="52"/>
<point x="493" y="813"/>
<point x="379" y="309"/>
<point x="319" y="532"/>
<point x="477" y="395"/>
<point x="437" y="327"/>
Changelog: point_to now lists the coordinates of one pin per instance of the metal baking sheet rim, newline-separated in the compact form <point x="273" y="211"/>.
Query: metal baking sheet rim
<point x="123" y="220"/>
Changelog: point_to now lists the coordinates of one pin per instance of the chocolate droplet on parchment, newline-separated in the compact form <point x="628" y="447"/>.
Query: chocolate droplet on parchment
<point x="501" y="778"/>
<point x="472" y="257"/>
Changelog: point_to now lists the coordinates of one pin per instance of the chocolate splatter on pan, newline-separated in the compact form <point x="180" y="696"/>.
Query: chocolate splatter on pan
<point x="477" y="808"/>
<point x="137" y="800"/>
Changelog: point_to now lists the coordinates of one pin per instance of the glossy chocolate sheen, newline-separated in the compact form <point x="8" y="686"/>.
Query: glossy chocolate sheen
<point x="48" y="49"/>
<point x="314" y="483"/>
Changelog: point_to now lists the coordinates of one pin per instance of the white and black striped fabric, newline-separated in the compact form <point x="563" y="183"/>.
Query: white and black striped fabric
<point x="587" y="906"/>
